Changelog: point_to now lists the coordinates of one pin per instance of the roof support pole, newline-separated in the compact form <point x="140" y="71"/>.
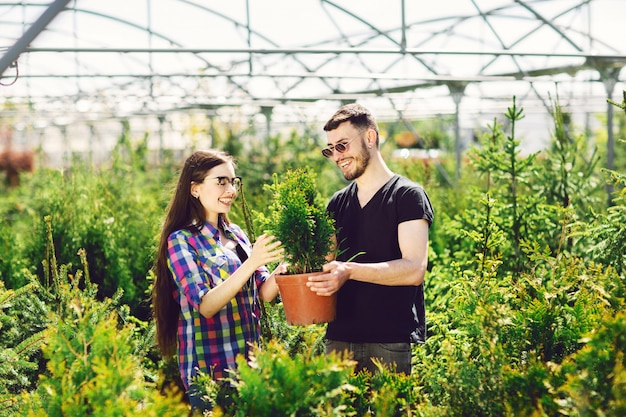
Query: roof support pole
<point x="609" y="85"/>
<point x="403" y="40"/>
<point x="609" y="79"/>
<point x="457" y="90"/>
<point x="267" y="112"/>
<point x="609" y="73"/>
<point x="22" y="43"/>
<point x="161" y="119"/>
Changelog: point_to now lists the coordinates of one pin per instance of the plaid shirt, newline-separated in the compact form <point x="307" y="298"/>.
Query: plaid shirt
<point x="199" y="262"/>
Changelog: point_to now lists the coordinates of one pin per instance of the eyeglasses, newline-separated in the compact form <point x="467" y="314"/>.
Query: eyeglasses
<point x="222" y="181"/>
<point x="340" y="147"/>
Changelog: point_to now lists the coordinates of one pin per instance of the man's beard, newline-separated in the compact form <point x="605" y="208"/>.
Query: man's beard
<point x="361" y="162"/>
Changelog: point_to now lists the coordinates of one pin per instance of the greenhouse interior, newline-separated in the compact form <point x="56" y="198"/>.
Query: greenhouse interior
<point x="162" y="161"/>
<point x="74" y="73"/>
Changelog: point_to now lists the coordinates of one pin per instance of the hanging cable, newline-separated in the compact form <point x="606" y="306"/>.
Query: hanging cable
<point x="17" y="74"/>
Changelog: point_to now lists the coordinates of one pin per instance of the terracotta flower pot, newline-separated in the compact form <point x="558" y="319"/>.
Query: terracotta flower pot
<point x="303" y="306"/>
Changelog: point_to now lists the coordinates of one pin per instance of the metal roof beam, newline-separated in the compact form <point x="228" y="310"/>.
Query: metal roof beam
<point x="312" y="51"/>
<point x="22" y="43"/>
<point x="548" y="23"/>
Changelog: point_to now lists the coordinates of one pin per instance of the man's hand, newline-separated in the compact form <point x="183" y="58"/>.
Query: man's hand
<point x="336" y="274"/>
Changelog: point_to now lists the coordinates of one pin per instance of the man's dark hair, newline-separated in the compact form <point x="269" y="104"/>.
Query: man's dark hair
<point x="359" y="116"/>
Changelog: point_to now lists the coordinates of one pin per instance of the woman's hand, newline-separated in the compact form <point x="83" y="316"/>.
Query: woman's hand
<point x="265" y="250"/>
<point x="281" y="269"/>
<point x="269" y="289"/>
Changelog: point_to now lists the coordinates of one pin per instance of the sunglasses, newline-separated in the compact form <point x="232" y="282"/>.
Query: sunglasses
<point x="340" y="147"/>
<point x="223" y="181"/>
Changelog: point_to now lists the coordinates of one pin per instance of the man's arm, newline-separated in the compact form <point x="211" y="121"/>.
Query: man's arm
<point x="409" y="270"/>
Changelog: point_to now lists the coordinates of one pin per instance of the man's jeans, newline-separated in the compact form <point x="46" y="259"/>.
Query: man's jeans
<point x="393" y="355"/>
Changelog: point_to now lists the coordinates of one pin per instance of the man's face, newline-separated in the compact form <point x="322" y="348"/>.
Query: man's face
<point x="355" y="156"/>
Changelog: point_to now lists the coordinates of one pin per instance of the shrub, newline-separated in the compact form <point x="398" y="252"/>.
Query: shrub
<point x="298" y="218"/>
<point x="595" y="377"/>
<point x="274" y="382"/>
<point x="93" y="363"/>
<point x="23" y="318"/>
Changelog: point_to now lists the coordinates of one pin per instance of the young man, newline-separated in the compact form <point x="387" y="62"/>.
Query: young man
<point x="384" y="217"/>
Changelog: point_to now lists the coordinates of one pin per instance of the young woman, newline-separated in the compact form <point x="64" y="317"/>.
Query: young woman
<point x="209" y="278"/>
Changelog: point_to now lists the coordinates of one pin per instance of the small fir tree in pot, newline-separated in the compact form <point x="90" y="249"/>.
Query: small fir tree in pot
<point x="297" y="217"/>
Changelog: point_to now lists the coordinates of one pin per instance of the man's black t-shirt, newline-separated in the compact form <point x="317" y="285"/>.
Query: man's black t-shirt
<point x="368" y="313"/>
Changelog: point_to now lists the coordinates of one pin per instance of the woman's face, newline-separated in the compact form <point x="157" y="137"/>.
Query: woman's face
<point x="217" y="192"/>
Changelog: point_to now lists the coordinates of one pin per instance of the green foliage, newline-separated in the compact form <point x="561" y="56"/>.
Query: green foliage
<point x="506" y="172"/>
<point x="22" y="323"/>
<point x="561" y="300"/>
<point x="304" y="384"/>
<point x="385" y="393"/>
<point x="460" y="367"/>
<point x="93" y="371"/>
<point x="595" y="376"/>
<point x="276" y="153"/>
<point x="93" y="366"/>
<point x="107" y="213"/>
<point x="296" y="339"/>
<point x="298" y="218"/>
<point x="503" y="339"/>
<point x="621" y="105"/>
<point x="568" y="181"/>
<point x="279" y="382"/>
<point x="527" y="389"/>
<point x="525" y="290"/>
<point x="608" y="234"/>
<point x="511" y="299"/>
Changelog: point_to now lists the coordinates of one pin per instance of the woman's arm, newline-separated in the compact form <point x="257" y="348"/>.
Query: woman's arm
<point x="264" y="251"/>
<point x="269" y="290"/>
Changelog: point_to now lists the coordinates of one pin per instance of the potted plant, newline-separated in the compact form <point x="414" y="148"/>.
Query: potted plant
<point x="297" y="217"/>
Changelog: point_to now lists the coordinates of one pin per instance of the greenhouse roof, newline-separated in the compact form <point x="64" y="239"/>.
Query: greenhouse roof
<point x="84" y="62"/>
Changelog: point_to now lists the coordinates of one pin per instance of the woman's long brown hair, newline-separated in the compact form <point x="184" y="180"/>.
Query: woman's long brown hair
<point x="184" y="211"/>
